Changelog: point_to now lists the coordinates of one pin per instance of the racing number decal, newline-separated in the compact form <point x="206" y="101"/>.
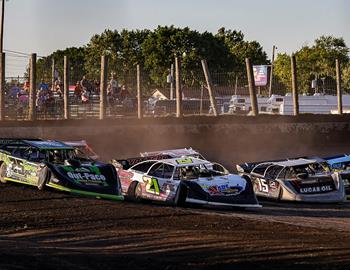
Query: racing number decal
<point x="184" y="161"/>
<point x="263" y="185"/>
<point x="152" y="185"/>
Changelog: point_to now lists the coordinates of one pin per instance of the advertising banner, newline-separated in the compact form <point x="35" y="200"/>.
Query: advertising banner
<point x="260" y="75"/>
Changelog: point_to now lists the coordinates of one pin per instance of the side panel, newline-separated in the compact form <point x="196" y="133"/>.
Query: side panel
<point x="266" y="187"/>
<point x="20" y="170"/>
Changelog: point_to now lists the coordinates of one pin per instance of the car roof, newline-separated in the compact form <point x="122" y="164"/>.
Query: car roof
<point x="81" y="143"/>
<point x="172" y="152"/>
<point x="295" y="162"/>
<point x="184" y="161"/>
<point x="339" y="160"/>
<point x="48" y="145"/>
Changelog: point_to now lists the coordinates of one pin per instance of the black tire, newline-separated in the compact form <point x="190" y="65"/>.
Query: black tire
<point x="3" y="172"/>
<point x="135" y="192"/>
<point x="44" y="177"/>
<point x="181" y="195"/>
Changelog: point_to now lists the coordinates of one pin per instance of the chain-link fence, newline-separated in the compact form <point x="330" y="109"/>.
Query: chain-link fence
<point x="230" y="93"/>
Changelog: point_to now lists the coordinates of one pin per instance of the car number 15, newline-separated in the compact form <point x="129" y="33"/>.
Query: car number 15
<point x="263" y="185"/>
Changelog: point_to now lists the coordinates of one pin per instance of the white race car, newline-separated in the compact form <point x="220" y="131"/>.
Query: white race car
<point x="184" y="180"/>
<point x="174" y="153"/>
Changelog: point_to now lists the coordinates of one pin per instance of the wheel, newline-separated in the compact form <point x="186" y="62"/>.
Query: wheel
<point x="44" y="177"/>
<point x="3" y="168"/>
<point x="135" y="192"/>
<point x="181" y="195"/>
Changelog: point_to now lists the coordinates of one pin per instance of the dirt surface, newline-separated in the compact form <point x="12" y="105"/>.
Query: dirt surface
<point x="53" y="230"/>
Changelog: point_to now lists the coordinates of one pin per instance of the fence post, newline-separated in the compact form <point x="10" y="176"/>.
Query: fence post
<point x="209" y="86"/>
<point x="53" y="67"/>
<point x="66" y="88"/>
<point x="339" y="90"/>
<point x="172" y="71"/>
<point x="295" y="91"/>
<point x="252" y="89"/>
<point x="272" y="69"/>
<point x="178" y="87"/>
<point x="2" y="87"/>
<point x="139" y="94"/>
<point x="32" y="88"/>
<point x="103" y="86"/>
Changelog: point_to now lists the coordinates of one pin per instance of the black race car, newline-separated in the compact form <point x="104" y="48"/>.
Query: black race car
<point x="57" y="165"/>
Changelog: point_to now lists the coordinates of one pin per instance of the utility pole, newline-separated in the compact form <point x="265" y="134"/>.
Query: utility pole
<point x="272" y="66"/>
<point x="2" y="26"/>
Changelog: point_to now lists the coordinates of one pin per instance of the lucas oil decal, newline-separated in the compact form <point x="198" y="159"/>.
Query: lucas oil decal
<point x="318" y="189"/>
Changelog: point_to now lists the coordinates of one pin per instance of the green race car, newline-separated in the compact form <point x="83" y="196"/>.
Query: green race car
<point x="57" y="165"/>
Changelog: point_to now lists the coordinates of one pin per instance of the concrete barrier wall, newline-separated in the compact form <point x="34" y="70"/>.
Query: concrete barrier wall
<point x="229" y="140"/>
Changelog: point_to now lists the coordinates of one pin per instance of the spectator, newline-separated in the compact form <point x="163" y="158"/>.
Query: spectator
<point x="96" y="86"/>
<point x="124" y="93"/>
<point x="43" y="86"/>
<point x="84" y="83"/>
<point x="26" y="86"/>
<point x="14" y="91"/>
<point x="85" y="96"/>
<point x="113" y="86"/>
<point x="23" y="101"/>
<point x="77" y="91"/>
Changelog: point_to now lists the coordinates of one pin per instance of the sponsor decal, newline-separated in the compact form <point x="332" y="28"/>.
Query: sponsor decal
<point x="219" y="190"/>
<point x="184" y="161"/>
<point x="167" y="188"/>
<point x="86" y="175"/>
<point x="317" y="189"/>
<point x="273" y="185"/>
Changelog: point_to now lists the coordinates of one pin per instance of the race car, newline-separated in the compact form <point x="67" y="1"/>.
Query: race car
<point x="183" y="180"/>
<point x="341" y="164"/>
<point x="83" y="147"/>
<point x="57" y="165"/>
<point x="301" y="179"/>
<point x="174" y="153"/>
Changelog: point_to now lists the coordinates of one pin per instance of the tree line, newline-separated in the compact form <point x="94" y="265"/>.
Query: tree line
<point x="225" y="52"/>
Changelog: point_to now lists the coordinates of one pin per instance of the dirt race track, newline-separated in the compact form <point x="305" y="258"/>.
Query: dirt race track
<point x="53" y="230"/>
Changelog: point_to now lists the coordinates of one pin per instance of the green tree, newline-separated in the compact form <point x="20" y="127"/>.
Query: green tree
<point x="241" y="49"/>
<point x="76" y="59"/>
<point x="313" y="62"/>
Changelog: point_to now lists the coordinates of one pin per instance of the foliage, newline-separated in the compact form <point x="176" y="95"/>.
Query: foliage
<point x="155" y="50"/>
<point x="317" y="61"/>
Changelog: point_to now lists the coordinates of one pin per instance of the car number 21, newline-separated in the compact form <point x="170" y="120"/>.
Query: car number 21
<point x="263" y="185"/>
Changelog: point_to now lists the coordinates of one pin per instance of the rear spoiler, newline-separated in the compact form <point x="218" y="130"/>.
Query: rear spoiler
<point x="127" y="163"/>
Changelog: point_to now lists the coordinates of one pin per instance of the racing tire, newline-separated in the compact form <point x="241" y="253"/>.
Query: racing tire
<point x="181" y="195"/>
<point x="44" y="177"/>
<point x="135" y="192"/>
<point x="3" y="168"/>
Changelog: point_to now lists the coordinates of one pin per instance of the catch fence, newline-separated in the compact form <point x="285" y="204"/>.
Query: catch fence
<point x="230" y="92"/>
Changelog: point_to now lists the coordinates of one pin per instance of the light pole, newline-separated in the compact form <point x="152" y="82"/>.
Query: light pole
<point x="274" y="48"/>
